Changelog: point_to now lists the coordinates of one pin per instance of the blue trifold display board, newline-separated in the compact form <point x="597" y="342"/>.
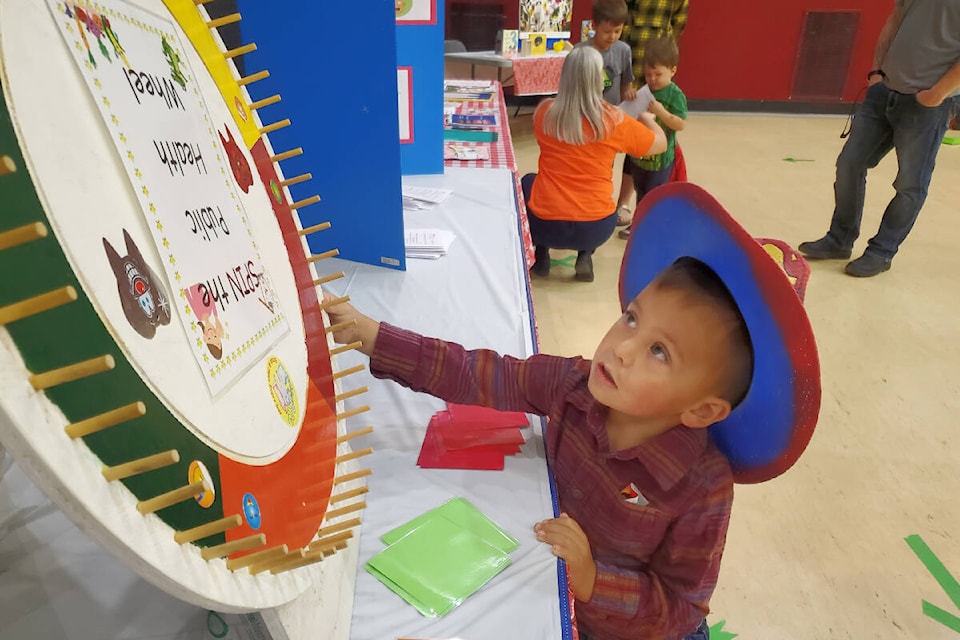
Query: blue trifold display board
<point x="421" y="47"/>
<point x="334" y="64"/>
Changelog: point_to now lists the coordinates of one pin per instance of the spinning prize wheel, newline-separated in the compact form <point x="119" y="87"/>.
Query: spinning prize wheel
<point x="164" y="361"/>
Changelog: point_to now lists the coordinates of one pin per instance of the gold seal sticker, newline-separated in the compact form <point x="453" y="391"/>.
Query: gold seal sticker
<point x="197" y="473"/>
<point x="282" y="391"/>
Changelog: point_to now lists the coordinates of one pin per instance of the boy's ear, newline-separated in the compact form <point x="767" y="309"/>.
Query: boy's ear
<point x="711" y="410"/>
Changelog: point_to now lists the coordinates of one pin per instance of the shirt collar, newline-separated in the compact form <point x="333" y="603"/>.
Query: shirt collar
<point x="668" y="457"/>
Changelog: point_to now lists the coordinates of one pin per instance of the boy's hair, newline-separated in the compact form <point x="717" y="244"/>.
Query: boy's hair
<point x="693" y="276"/>
<point x="612" y="11"/>
<point x="661" y="50"/>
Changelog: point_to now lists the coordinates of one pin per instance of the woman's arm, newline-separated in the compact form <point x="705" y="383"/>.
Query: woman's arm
<point x="659" y="137"/>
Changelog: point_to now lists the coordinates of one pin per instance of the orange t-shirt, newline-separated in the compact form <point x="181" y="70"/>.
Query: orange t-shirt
<point x="575" y="182"/>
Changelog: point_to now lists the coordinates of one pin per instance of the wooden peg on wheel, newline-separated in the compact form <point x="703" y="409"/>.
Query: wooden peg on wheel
<point x="176" y="496"/>
<point x="106" y="420"/>
<point x="37" y="304"/>
<point x="22" y="235"/>
<point x="69" y="373"/>
<point x="141" y="465"/>
<point x="209" y="529"/>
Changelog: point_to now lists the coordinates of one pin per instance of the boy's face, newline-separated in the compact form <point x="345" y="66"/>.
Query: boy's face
<point x="606" y="34"/>
<point x="665" y="356"/>
<point x="658" y="76"/>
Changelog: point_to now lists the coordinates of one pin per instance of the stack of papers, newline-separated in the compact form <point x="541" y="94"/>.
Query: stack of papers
<point x="472" y="90"/>
<point x="439" y="559"/>
<point x="467" y="437"/>
<point x="425" y="196"/>
<point x="638" y="105"/>
<point x="453" y="151"/>
<point x="427" y="243"/>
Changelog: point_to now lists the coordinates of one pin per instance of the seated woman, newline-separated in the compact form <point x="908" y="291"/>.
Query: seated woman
<point x="570" y="201"/>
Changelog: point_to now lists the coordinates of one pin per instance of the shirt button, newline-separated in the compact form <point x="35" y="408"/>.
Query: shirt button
<point x="577" y="494"/>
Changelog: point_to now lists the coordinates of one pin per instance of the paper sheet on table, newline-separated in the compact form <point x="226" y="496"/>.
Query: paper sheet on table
<point x="437" y="566"/>
<point x="463" y="514"/>
<point x="638" y="105"/>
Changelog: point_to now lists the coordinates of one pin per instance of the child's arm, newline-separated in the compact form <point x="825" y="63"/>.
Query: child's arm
<point x="447" y="370"/>
<point x="356" y="326"/>
<point x="668" y="119"/>
<point x="628" y="91"/>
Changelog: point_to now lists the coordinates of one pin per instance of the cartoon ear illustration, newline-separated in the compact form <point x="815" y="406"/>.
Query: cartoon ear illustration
<point x="223" y="140"/>
<point x="132" y="249"/>
<point x="116" y="264"/>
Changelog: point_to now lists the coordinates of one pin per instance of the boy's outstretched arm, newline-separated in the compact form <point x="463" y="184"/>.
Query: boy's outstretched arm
<point x="357" y="327"/>
<point x="447" y="370"/>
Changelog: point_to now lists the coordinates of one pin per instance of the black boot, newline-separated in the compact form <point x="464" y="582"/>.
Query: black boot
<point x="584" y="266"/>
<point x="541" y="267"/>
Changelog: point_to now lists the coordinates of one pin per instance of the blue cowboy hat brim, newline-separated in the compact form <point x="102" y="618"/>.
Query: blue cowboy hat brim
<point x="766" y="433"/>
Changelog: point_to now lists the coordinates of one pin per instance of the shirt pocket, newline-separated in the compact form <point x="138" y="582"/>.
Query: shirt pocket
<point x="633" y="531"/>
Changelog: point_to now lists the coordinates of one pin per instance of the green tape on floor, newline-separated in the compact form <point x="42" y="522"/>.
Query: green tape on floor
<point x="717" y="632"/>
<point x="943" y="577"/>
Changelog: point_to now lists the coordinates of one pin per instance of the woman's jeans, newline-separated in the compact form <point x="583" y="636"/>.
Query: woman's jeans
<point x="887" y="120"/>
<point x="566" y="234"/>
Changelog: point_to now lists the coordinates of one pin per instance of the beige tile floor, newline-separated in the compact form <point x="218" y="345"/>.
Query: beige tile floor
<point x="819" y="553"/>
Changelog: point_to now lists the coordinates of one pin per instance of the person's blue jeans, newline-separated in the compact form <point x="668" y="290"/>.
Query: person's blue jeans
<point x="887" y="120"/>
<point x="566" y="234"/>
<point x="702" y="633"/>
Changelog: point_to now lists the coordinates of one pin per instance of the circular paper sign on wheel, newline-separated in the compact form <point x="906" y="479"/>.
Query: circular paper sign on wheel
<point x="164" y="362"/>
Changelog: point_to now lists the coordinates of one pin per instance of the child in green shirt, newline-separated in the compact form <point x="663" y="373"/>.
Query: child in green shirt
<point x="669" y="106"/>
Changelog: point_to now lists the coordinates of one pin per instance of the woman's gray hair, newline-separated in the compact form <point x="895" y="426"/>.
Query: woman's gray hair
<point x="580" y="98"/>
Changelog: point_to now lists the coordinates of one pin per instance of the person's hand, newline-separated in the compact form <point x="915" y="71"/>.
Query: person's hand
<point x="929" y="98"/>
<point x="874" y="79"/>
<point x="648" y="119"/>
<point x="628" y="93"/>
<point x="657" y="109"/>
<point x="356" y="326"/>
<point x="568" y="541"/>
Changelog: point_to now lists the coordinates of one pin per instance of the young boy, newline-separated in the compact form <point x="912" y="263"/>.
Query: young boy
<point x="609" y="17"/>
<point x="645" y="495"/>
<point x="669" y="105"/>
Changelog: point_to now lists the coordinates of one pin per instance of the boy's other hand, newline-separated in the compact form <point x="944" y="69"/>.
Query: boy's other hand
<point x="628" y="93"/>
<point x="657" y="109"/>
<point x="358" y="327"/>
<point x="568" y="541"/>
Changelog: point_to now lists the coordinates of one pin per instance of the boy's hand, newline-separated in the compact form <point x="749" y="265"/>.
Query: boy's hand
<point x="359" y="328"/>
<point x="628" y="93"/>
<point x="568" y="541"/>
<point x="657" y="109"/>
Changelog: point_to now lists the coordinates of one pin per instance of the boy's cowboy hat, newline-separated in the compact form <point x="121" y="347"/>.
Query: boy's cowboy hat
<point x="766" y="433"/>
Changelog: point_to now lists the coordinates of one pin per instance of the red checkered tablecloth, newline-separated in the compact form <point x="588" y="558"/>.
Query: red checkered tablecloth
<point x="537" y="75"/>
<point x="501" y="157"/>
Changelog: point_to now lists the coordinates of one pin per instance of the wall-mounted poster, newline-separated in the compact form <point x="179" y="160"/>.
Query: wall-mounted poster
<point x="417" y="11"/>
<point x="545" y="15"/>
<point x="405" y="103"/>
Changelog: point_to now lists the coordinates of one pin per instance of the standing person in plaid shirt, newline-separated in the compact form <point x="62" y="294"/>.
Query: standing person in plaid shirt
<point x="651" y="19"/>
<point x="644" y="491"/>
<point x="648" y="19"/>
